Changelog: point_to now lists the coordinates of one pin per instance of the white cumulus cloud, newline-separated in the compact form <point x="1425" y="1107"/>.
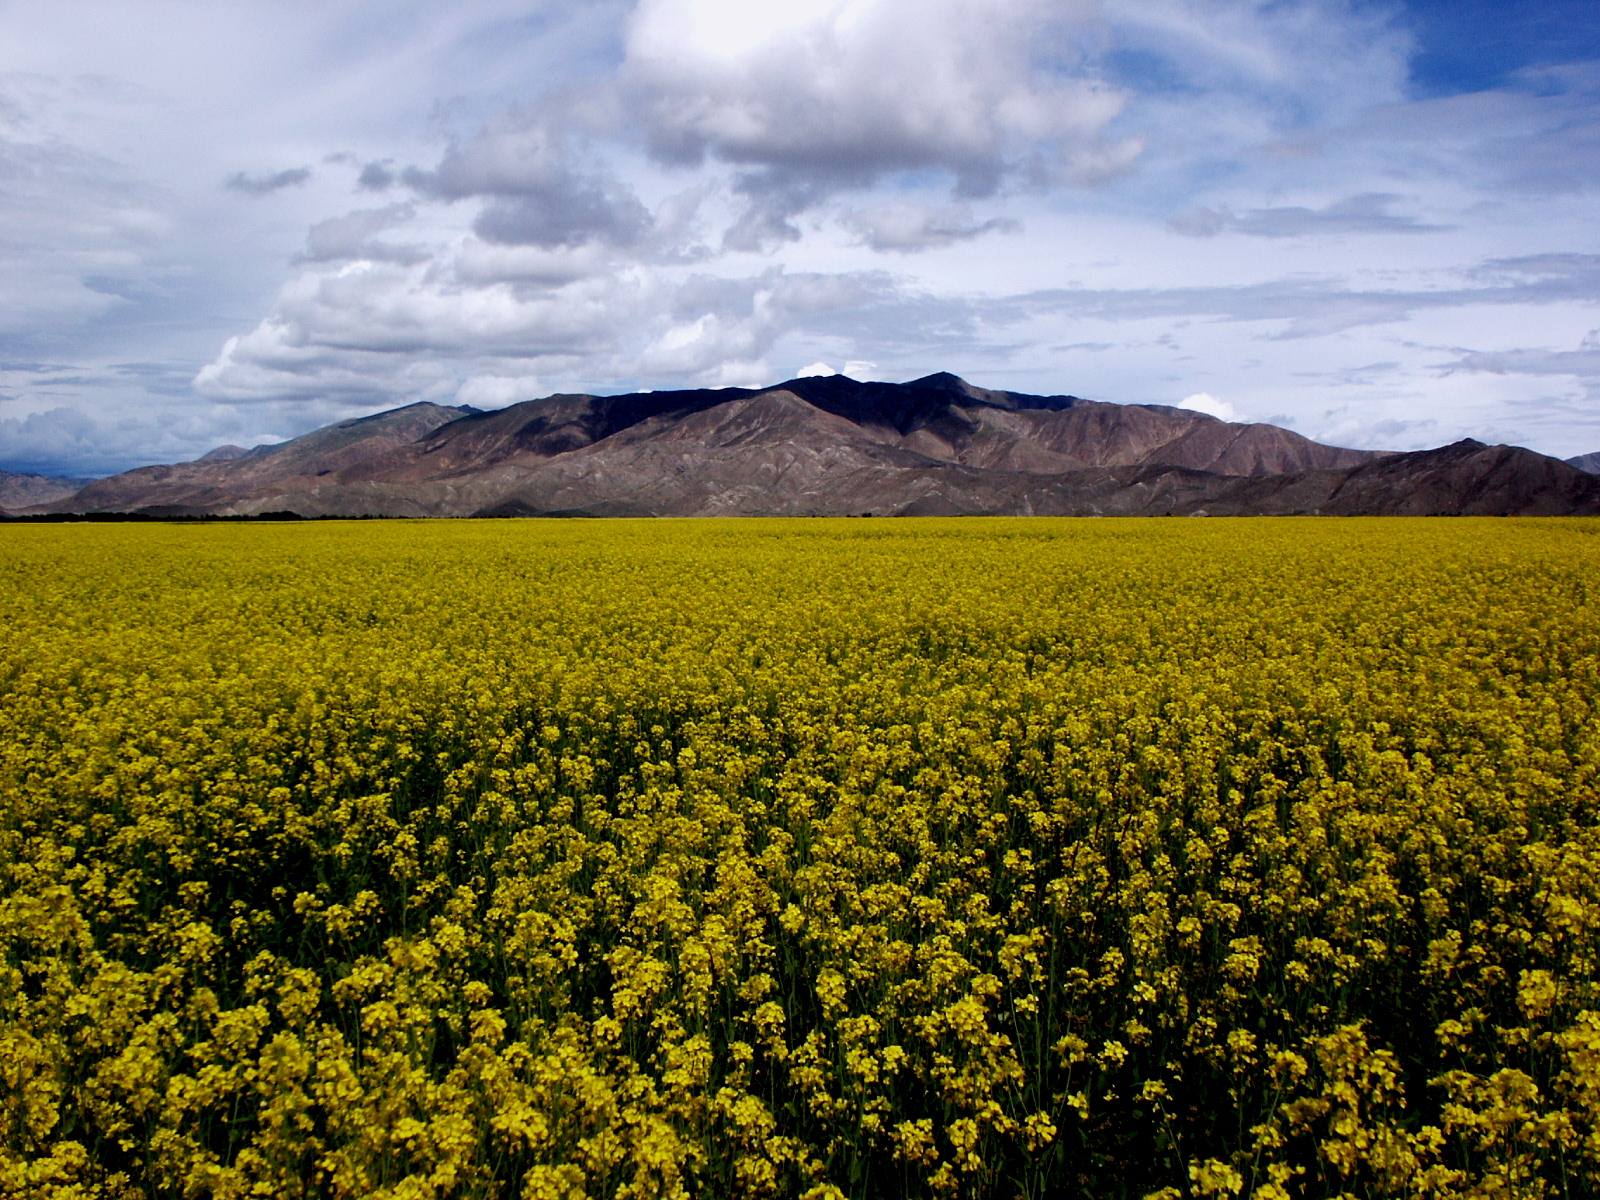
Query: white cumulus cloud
<point x="1203" y="402"/>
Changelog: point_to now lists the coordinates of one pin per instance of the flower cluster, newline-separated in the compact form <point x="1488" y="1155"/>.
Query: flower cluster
<point x="810" y="859"/>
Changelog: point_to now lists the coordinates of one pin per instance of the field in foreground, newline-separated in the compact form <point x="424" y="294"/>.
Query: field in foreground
<point x="915" y="858"/>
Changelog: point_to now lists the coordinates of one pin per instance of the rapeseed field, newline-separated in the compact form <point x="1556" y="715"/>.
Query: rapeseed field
<point x="969" y="858"/>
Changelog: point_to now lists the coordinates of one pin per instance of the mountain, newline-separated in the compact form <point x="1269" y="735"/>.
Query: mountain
<point x="831" y="445"/>
<point x="1587" y="462"/>
<point x="1466" y="478"/>
<point x="23" y="490"/>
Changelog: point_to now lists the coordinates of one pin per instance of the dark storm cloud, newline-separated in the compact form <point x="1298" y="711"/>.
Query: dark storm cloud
<point x="59" y="441"/>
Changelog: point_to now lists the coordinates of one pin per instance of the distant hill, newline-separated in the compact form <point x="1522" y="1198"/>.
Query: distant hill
<point x="1587" y="462"/>
<point x="223" y="480"/>
<point x="20" y="490"/>
<point x="833" y="446"/>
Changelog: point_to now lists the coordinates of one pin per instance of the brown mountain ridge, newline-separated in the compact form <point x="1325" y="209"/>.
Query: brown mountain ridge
<point x="831" y="445"/>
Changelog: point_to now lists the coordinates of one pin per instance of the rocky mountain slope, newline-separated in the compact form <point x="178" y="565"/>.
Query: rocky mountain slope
<point x="1587" y="462"/>
<point x="833" y="446"/>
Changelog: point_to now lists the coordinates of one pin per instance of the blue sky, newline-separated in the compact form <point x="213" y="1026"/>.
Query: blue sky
<point x="1372" y="222"/>
<point x="1475" y="45"/>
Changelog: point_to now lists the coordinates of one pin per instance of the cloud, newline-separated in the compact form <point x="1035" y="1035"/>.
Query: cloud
<point x="1552" y="276"/>
<point x="263" y="185"/>
<point x="539" y="190"/>
<point x="852" y="89"/>
<point x="371" y="330"/>
<point x="54" y="436"/>
<point x="375" y="329"/>
<point x="80" y="234"/>
<point x="1321" y="306"/>
<point x="1537" y="136"/>
<point x="567" y="213"/>
<point x="523" y="149"/>
<point x="815" y="96"/>
<point x="854" y="369"/>
<point x="709" y="343"/>
<point x="1564" y="155"/>
<point x="812" y="293"/>
<point x="498" y="391"/>
<point x="350" y="236"/>
<point x="907" y="228"/>
<point x="566" y="196"/>
<point x="68" y="441"/>
<point x="1582" y="363"/>
<point x="1204" y="402"/>
<point x="1367" y="213"/>
<point x="1304" y="62"/>
<point x="376" y="176"/>
<point x="774" y="200"/>
<point x="473" y="262"/>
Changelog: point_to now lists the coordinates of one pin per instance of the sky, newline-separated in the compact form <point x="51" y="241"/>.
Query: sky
<point x="1370" y="221"/>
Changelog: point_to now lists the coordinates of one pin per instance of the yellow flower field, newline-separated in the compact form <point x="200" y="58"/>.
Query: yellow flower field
<point x="862" y="858"/>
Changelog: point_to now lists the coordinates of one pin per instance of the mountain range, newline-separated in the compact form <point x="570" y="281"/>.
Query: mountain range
<point x="830" y="445"/>
<point x="23" y="490"/>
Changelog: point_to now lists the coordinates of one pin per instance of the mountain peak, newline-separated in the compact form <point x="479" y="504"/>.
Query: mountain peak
<point x="223" y="454"/>
<point x="418" y="408"/>
<point x="941" y="381"/>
